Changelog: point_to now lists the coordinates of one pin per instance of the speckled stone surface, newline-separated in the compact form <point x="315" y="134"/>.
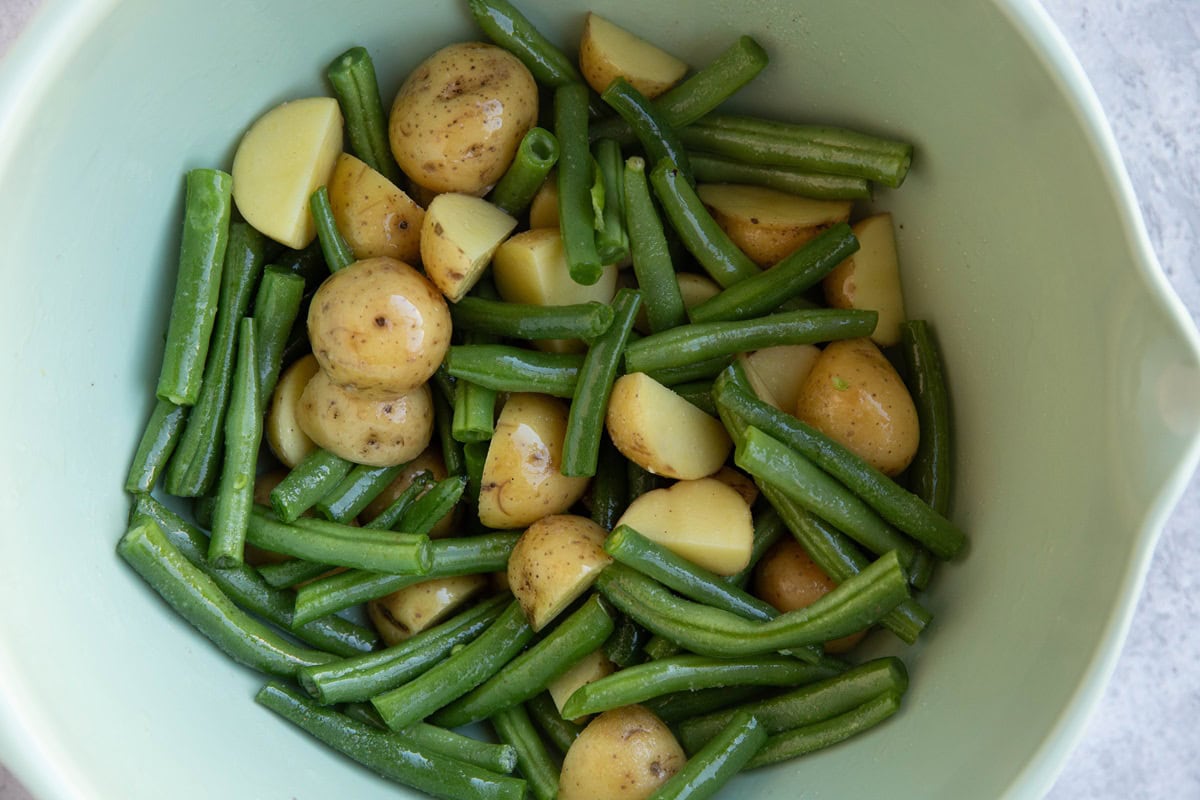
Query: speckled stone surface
<point x="1143" y="58"/>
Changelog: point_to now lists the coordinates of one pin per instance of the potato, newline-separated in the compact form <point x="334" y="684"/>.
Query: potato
<point x="521" y="478"/>
<point x="429" y="461"/>
<point x="854" y="395"/>
<point x="663" y="433"/>
<point x="695" y="289"/>
<point x="768" y="224"/>
<point x="374" y="216"/>
<point x="704" y="521"/>
<point x="378" y="326"/>
<point x="607" y="52"/>
<point x="777" y="373"/>
<point x="365" y="429"/>
<point x="789" y="579"/>
<point x="739" y="481"/>
<point x="555" y="561"/>
<point x="543" y="211"/>
<point x="458" y="238"/>
<point x="409" y="611"/>
<point x="282" y="159"/>
<point x="591" y="667"/>
<point x="870" y="279"/>
<point x="459" y="116"/>
<point x="290" y="444"/>
<point x="623" y="754"/>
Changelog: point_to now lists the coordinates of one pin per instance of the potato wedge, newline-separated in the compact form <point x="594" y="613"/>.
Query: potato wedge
<point x="663" y="433"/>
<point x="458" y="237"/>
<point x="870" y="279"/>
<point x="623" y="754"/>
<point x="768" y="224"/>
<point x="608" y="51"/>
<point x="592" y="667"/>
<point x="411" y="610"/>
<point x="777" y="373"/>
<point x="375" y="217"/>
<point x="543" y="211"/>
<point x="555" y="561"/>
<point x="739" y="481"/>
<point x="705" y="521"/>
<point x="695" y="289"/>
<point x="287" y="441"/>
<point x="282" y="159"/>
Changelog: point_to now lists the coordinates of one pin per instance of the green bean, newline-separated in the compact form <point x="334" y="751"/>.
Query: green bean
<point x="699" y="394"/>
<point x="458" y="556"/>
<point x="514" y="369"/>
<point x="389" y="518"/>
<point x="713" y="169"/>
<point x="516" y="729"/>
<point x="338" y="253"/>
<point x="206" y="212"/>
<point x="352" y="75"/>
<point x="509" y="28"/>
<point x="658" y="138"/>
<point x="920" y="572"/>
<point x="158" y="442"/>
<point x="640" y="481"/>
<point x="276" y="308"/>
<point x="892" y="502"/>
<point x="703" y="370"/>
<point x="527" y="321"/>
<point x="575" y="215"/>
<point x="585" y="421"/>
<point x="560" y="731"/>
<point x="624" y="646"/>
<point x="678" y="706"/>
<point x="458" y="674"/>
<point x="828" y="150"/>
<point x="495" y="757"/>
<point x="291" y="572"/>
<point x="700" y="233"/>
<point x="536" y="156"/>
<point x="686" y="673"/>
<point x="341" y="545"/>
<point x="822" y="699"/>
<point x="532" y="672"/>
<point x="198" y="599"/>
<point x="612" y="240"/>
<point x="308" y="264"/>
<point x="243" y="437"/>
<point x="708" y="770"/>
<point x="197" y="460"/>
<point x="852" y="606"/>
<point x="389" y="754"/>
<point x="930" y="470"/>
<point x="356" y="491"/>
<point x="766" y="291"/>
<point x="474" y="404"/>
<point x="428" y="509"/>
<point x="363" y="676"/>
<point x="819" y="735"/>
<point x="651" y="255"/>
<point x="610" y="488"/>
<point x="246" y="588"/>
<point x="310" y="480"/>
<point x="660" y="647"/>
<point x="769" y="528"/>
<point x="475" y="457"/>
<point x="443" y="417"/>
<point x="690" y="344"/>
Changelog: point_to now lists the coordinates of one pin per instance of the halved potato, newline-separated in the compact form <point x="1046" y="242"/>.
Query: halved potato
<point x="870" y="278"/>
<point x="626" y="753"/>
<point x="663" y="433"/>
<point x="555" y="561"/>
<point x="777" y="373"/>
<point x="739" y="481"/>
<point x="412" y="609"/>
<point x="705" y="521"/>
<point x="592" y="667"/>
<point x="458" y="237"/>
<point x="285" y="438"/>
<point x="608" y="51"/>
<point x="768" y="224"/>
<point x="282" y="159"/>
<point x="374" y="216"/>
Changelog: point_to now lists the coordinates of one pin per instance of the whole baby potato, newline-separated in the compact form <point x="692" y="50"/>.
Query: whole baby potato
<point x="379" y="327"/>
<point x="457" y="120"/>
<point x="378" y="432"/>
<point x="374" y="215"/>
<point x="789" y="579"/>
<point x="623" y="754"/>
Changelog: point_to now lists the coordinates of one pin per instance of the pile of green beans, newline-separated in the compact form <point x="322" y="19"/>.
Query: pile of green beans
<point x="741" y="684"/>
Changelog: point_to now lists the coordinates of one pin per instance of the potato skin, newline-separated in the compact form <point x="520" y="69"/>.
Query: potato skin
<point x="379" y="326"/>
<point x="789" y="579"/>
<point x="555" y="561"/>
<point x="623" y="754"/>
<point x="375" y="217"/>
<point x="854" y="395"/>
<point x="379" y="432"/>
<point x="457" y="120"/>
<point x="415" y="608"/>
<point x="282" y="431"/>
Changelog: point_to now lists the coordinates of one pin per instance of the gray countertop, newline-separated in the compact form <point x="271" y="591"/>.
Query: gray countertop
<point x="1143" y="58"/>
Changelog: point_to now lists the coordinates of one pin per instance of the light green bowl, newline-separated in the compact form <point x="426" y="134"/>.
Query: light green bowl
<point x="1074" y="371"/>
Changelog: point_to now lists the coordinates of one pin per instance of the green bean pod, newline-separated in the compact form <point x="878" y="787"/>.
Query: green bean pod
<point x="575" y="174"/>
<point x="536" y="156"/>
<point x="515" y="728"/>
<point x="341" y="545"/>
<point x="159" y="440"/>
<point x="679" y="706"/>
<point x="428" y="509"/>
<point x="512" y="30"/>
<point x="310" y="480"/>
<point x="810" y="738"/>
<point x="527" y="321"/>
<point x="651" y="254"/>
<point x="610" y="487"/>
<point x="514" y="369"/>
<point x="711" y="768"/>
<point x="699" y="394"/>
<point x="291" y="572"/>
<point x="276" y="307"/>
<point x="443" y="417"/>
<point x="560" y="731"/>
<point x="930" y="469"/>
<point x="658" y="138"/>
<point x="500" y="758"/>
<point x="389" y="518"/>
<point x="713" y="169"/>
<point x="612" y="239"/>
<point x="338" y="253"/>
<point x="352" y="75"/>
<point x="624" y="646"/>
<point x="706" y="369"/>
<point x="356" y="491"/>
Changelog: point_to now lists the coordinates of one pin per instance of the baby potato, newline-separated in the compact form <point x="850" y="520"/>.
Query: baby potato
<point x="777" y="373"/>
<point x="739" y="481"/>
<point x="290" y="444"/>
<point x="374" y="216"/>
<point x="623" y="754"/>
<point x="871" y="278"/>
<point x="429" y="461"/>
<point x="608" y="51"/>
<point x="543" y="211"/>
<point x="592" y="667"/>
<point x="555" y="561"/>
<point x="379" y="432"/>
<point x="459" y="116"/>
<point x="410" y="610"/>
<point x="522" y="481"/>
<point x="768" y="224"/>
<point x="379" y="326"/>
<point x="458" y="238"/>
<point x="789" y="579"/>
<point x="854" y="395"/>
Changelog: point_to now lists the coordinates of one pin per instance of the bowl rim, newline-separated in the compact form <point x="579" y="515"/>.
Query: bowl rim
<point x="42" y="49"/>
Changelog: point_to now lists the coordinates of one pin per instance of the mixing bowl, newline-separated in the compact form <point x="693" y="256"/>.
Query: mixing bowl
<point x="1073" y="370"/>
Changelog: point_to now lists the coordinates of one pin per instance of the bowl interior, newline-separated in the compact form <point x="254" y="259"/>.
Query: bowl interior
<point x="1016" y="240"/>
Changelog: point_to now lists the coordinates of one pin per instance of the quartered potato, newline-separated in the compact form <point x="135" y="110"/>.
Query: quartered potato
<point x="412" y="609"/>
<point x="543" y="211"/>
<point x="623" y="754"/>
<point x="608" y="52"/>
<point x="870" y="279"/>
<point x="592" y="667"/>
<point x="789" y="579"/>
<point x="555" y="561"/>
<point x="287" y="441"/>
<point x="777" y="373"/>
<point x="374" y="216"/>
<point x="768" y="224"/>
<point x="458" y="238"/>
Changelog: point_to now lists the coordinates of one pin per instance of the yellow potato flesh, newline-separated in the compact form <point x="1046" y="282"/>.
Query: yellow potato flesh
<point x="285" y="438"/>
<point x="374" y="216"/>
<point x="283" y="158"/>
<point x="591" y="667"/>
<point x="543" y="211"/>
<point x="458" y="237"/>
<point x="870" y="279"/>
<point x="768" y="224"/>
<point x="777" y="373"/>
<point x="555" y="561"/>
<point x="608" y="51"/>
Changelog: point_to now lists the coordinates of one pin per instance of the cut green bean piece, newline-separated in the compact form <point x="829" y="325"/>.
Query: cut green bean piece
<point x="660" y="647"/>
<point x="310" y="480"/>
<point x="703" y="370"/>
<point x="819" y="735"/>
<point x="536" y="156"/>
<point x="388" y="754"/>
<point x="714" y="169"/>
<point x="651" y="254"/>
<point x="201" y="602"/>
<point x="527" y="321"/>
<point x="575" y="215"/>
<point x="514" y="369"/>
<point x="512" y="30"/>
<point x="243" y="437"/>
<point x="678" y="706"/>
<point x="352" y="75"/>
<point x="356" y="491"/>
<point x="708" y="770"/>
<point x="558" y="730"/>
<point x="158" y="442"/>
<point x="428" y="509"/>
<point x="342" y="545"/>
<point x="389" y="518"/>
<point x="624" y="646"/>
<point x="612" y="240"/>
<point x="657" y="137"/>
<point x="515" y="728"/>
<point x="474" y="413"/>
<point x="443" y="417"/>
<point x="699" y="394"/>
<point x="291" y="572"/>
<point x="610" y="488"/>
<point x="930" y="469"/>
<point x="475" y="457"/>
<point x="276" y="308"/>
<point x="640" y="481"/>
<point x="338" y="254"/>
<point x="206" y="211"/>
